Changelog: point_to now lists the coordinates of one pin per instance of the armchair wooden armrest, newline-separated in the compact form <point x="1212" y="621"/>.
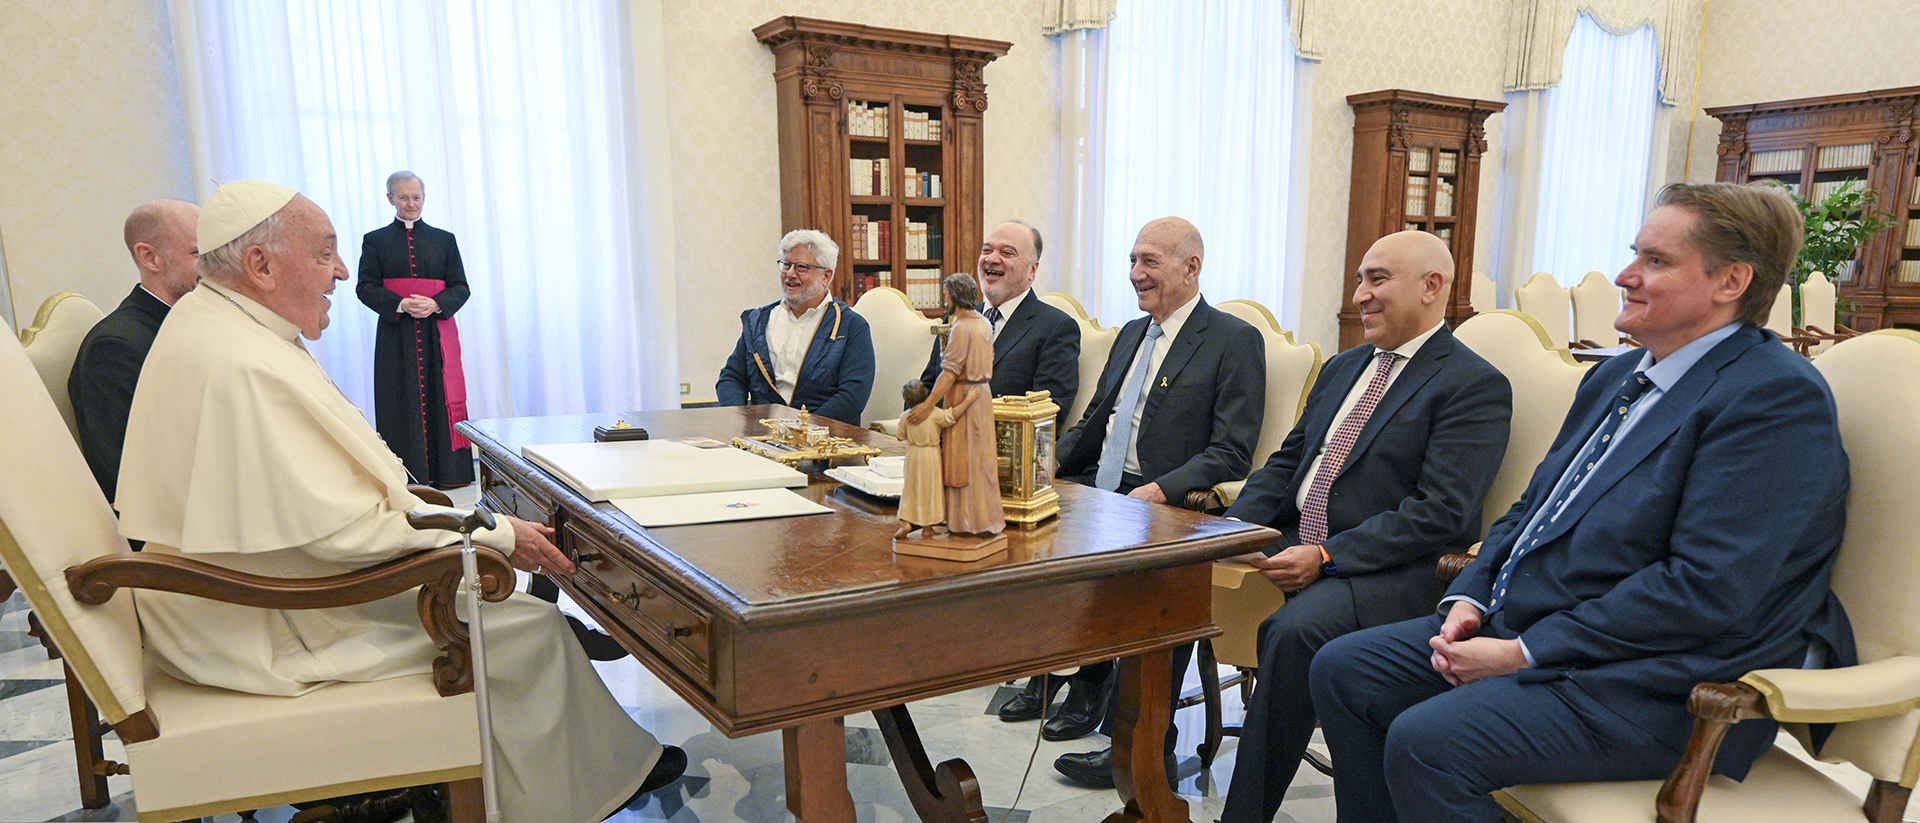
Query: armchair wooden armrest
<point x="1451" y="565"/>
<point x="429" y="494"/>
<point x="435" y="571"/>
<point x="1203" y="500"/>
<point x="1717" y="706"/>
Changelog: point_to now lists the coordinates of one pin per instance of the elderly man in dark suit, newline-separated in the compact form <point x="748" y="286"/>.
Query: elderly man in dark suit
<point x="160" y="236"/>
<point x="1653" y="550"/>
<point x="1036" y="347"/>
<point x="807" y="349"/>
<point x="1385" y="472"/>
<point x="1178" y="408"/>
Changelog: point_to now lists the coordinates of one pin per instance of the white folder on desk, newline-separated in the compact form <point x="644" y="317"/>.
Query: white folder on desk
<point x="716" y="507"/>
<point x="650" y="468"/>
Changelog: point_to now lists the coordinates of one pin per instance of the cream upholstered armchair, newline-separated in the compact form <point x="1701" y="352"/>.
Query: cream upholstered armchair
<point x="1544" y="379"/>
<point x="1095" y="342"/>
<point x="54" y="340"/>
<point x="196" y="751"/>
<point x="1545" y="300"/>
<point x="1291" y="369"/>
<point x="1596" y="302"/>
<point x="1818" y="323"/>
<point x="1875" y="705"/>
<point x="902" y="341"/>
<point x="1241" y="597"/>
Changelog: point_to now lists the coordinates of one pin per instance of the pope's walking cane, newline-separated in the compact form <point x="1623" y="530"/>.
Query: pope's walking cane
<point x="470" y="576"/>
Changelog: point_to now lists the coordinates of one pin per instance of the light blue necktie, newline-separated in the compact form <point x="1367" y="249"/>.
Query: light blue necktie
<point x="1602" y="440"/>
<point x="1113" y="456"/>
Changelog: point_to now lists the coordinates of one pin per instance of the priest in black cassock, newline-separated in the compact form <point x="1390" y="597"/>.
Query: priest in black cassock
<point x="410" y="274"/>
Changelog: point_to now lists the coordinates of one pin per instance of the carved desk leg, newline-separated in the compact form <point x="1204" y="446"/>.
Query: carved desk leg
<point x="1139" y="735"/>
<point x="816" y="761"/>
<point x="947" y="794"/>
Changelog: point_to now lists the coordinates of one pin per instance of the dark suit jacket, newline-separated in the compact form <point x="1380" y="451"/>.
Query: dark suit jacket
<point x="835" y="376"/>
<point x="1203" y="409"/>
<point x="105" y="371"/>
<point x="1700" y="550"/>
<point x="1038" y="350"/>
<point x="1413" y="483"/>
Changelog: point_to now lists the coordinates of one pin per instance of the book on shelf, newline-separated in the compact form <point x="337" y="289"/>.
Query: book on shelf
<point x="1447" y="163"/>
<point x="869" y="177"/>
<point x="1442" y="198"/>
<point x="1910" y="271"/>
<point x="920" y="125"/>
<point x="1913" y="232"/>
<point x="869" y="239"/>
<point x="923" y="287"/>
<point x="866" y="119"/>
<point x="1444" y="233"/>
<point x="1834" y="157"/>
<point x="1916" y="192"/>
<point x="1776" y="161"/>
<point x="919" y="183"/>
<point x="1843" y="271"/>
<point x="1416" y="196"/>
<point x="1417" y="161"/>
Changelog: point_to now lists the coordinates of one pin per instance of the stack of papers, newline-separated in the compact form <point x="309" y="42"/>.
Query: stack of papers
<point x="651" y="468"/>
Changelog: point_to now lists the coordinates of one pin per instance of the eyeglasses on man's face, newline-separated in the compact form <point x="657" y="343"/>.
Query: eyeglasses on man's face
<point x="788" y="265"/>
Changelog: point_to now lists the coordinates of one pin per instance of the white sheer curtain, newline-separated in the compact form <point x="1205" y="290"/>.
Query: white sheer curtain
<point x="1596" y="146"/>
<point x="1199" y="122"/>
<point x="524" y="122"/>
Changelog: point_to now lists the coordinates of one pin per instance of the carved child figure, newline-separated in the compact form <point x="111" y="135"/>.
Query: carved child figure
<point x="923" y="500"/>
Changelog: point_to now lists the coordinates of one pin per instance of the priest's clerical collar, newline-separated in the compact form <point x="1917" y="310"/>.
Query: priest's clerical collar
<point x="408" y="222"/>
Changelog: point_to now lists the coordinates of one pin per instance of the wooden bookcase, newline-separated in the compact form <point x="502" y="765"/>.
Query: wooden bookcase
<point x="853" y="98"/>
<point x="1416" y="165"/>
<point x="1813" y="145"/>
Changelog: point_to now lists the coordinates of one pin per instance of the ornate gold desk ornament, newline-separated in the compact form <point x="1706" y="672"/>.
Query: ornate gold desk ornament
<point x="793" y="440"/>
<point x="1024" y="438"/>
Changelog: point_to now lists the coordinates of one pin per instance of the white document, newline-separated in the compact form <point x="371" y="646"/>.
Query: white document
<point x="716" y="507"/>
<point x="648" y="468"/>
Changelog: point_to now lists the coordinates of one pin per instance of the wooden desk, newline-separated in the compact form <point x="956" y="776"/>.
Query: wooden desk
<point x="793" y="623"/>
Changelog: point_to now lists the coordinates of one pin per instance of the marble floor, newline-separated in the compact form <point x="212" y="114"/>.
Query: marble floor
<point x="727" y="780"/>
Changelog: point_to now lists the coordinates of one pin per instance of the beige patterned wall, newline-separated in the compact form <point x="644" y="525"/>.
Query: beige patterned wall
<point x="1450" y="47"/>
<point x="1762" y="50"/>
<point x="726" y="152"/>
<point x="93" y="128"/>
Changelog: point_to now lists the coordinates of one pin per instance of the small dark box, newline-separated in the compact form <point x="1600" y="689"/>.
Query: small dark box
<point x="605" y="434"/>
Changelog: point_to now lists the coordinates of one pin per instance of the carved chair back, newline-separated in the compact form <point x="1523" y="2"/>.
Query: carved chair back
<point x="52" y="342"/>
<point x="902" y="341"/>
<point x="1095" y="343"/>
<point x="1543" y="378"/>
<point x="1545" y="300"/>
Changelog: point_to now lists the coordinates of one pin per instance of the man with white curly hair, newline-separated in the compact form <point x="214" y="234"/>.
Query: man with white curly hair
<point x="807" y="349"/>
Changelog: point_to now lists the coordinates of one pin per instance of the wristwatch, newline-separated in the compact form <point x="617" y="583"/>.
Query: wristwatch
<point x="1327" y="568"/>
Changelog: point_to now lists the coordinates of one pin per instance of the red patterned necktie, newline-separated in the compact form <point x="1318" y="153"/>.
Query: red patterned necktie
<point x="1313" y="515"/>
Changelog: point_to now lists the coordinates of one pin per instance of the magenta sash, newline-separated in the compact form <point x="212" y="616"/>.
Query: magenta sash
<point x="453" y="378"/>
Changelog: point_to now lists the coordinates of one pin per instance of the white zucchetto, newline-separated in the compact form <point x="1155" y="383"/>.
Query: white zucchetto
<point x="237" y="207"/>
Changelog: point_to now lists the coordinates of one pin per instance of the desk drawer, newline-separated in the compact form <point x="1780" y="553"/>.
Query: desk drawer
<point x="503" y="495"/>
<point x="675" y="628"/>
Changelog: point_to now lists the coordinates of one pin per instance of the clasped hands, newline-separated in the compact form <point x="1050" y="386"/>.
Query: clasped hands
<point x="419" y="306"/>
<point x="1462" y="658"/>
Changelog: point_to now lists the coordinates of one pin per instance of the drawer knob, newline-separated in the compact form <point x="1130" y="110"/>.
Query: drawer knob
<point x="681" y="631"/>
<point x="587" y="557"/>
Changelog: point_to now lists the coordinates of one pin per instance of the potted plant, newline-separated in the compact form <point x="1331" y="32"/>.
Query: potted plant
<point x="1837" y="225"/>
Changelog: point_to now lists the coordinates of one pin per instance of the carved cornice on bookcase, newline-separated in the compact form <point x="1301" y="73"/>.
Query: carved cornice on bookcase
<point x="969" y="91"/>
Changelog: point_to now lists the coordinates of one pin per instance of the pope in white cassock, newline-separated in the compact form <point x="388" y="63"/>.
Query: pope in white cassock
<point x="242" y="453"/>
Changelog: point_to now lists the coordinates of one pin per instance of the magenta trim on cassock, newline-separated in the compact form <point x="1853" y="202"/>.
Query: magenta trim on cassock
<point x="453" y="377"/>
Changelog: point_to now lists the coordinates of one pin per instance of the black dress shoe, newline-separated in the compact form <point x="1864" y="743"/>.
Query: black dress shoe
<point x="1029" y="703"/>
<point x="671" y="765"/>
<point x="1080" y="713"/>
<point x="1087" y="768"/>
<point x="1096" y="768"/>
<point x="598" y="644"/>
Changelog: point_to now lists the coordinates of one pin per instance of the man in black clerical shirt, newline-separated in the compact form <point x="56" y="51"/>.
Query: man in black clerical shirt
<point x="160" y="236"/>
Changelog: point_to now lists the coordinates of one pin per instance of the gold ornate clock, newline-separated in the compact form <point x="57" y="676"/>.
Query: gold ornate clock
<point x="1024" y="437"/>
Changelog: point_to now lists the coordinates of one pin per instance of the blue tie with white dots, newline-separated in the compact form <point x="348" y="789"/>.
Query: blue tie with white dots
<point x="1629" y="392"/>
